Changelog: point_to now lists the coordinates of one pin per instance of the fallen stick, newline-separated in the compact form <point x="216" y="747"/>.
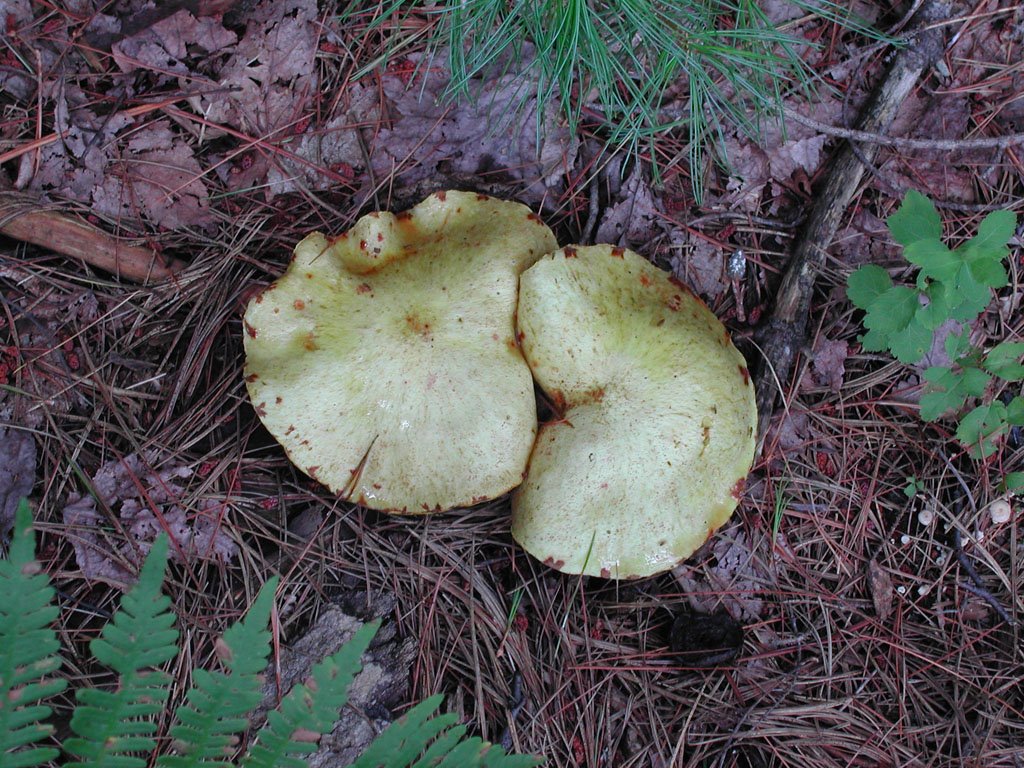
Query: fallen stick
<point x="68" y="235"/>
<point x="782" y="337"/>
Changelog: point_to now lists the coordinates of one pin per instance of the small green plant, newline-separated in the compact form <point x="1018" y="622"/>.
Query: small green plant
<point x="913" y="487"/>
<point x="953" y="286"/>
<point x="116" y="728"/>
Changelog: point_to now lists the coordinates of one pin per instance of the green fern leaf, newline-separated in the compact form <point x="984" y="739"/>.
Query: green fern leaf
<point x="218" y="705"/>
<point x="28" y="650"/>
<point x="114" y="725"/>
<point x="308" y="711"/>
<point x="419" y="739"/>
<point x="407" y="738"/>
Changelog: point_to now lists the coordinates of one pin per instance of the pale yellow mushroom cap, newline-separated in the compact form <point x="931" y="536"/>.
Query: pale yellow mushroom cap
<point x="659" y="416"/>
<point x="385" y="360"/>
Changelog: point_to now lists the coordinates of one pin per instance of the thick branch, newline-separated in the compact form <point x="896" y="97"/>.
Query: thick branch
<point x="785" y="332"/>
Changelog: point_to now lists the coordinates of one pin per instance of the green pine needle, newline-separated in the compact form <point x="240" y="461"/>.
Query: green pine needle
<point x="114" y="726"/>
<point x="218" y="705"/>
<point x="618" y="59"/>
<point x="310" y="710"/>
<point x="28" y="650"/>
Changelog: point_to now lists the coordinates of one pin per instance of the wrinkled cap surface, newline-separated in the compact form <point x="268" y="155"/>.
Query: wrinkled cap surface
<point x="385" y="360"/>
<point x="659" y="416"/>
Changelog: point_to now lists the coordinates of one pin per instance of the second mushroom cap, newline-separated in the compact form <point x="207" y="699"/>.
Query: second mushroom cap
<point x="656" y="434"/>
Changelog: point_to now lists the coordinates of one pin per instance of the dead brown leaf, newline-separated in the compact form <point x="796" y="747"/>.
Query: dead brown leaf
<point x="828" y="362"/>
<point x="17" y="472"/>
<point x="265" y="82"/>
<point x="880" y="586"/>
<point x="165" y="46"/>
<point x="735" y="582"/>
<point x="492" y="135"/>
<point x="158" y="176"/>
<point x="147" y="502"/>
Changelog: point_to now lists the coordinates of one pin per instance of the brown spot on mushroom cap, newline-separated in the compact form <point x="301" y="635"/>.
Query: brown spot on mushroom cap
<point x="675" y="302"/>
<point x="737" y="489"/>
<point x="418" y="326"/>
<point x="252" y="377"/>
<point x="278" y="400"/>
<point x="534" y="218"/>
<point x="745" y="373"/>
<point x="261" y="409"/>
<point x="569" y="252"/>
<point x="250" y="329"/>
<point x="299" y="304"/>
<point x="557" y="400"/>
<point x="645" y="281"/>
<point x="551" y="562"/>
<point x="364" y="288"/>
<point x="619" y="252"/>
<point x="606" y="573"/>
<point x="442" y="195"/>
<point x="309" y="343"/>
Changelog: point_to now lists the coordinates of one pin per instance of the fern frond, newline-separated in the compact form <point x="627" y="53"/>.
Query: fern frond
<point x="112" y="725"/>
<point x="419" y="739"/>
<point x="310" y="710"/>
<point x="28" y="648"/>
<point x="218" y="704"/>
<point x="404" y="740"/>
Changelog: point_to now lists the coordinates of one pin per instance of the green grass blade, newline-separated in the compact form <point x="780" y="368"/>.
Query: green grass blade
<point x="28" y="650"/>
<point x="114" y="727"/>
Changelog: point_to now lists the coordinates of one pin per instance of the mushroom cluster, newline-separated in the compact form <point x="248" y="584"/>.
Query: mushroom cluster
<point x="396" y="365"/>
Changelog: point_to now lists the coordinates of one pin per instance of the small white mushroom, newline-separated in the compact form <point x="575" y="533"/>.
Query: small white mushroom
<point x="1000" y="511"/>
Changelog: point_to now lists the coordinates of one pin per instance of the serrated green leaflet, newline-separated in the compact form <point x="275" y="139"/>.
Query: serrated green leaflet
<point x="1004" y="360"/>
<point x="915" y="220"/>
<point x="1014" y="482"/>
<point x="994" y="232"/>
<point x="936" y="261"/>
<point x="867" y="284"/>
<point x="1015" y="411"/>
<point x="979" y="429"/>
<point x="951" y="287"/>
<point x="950" y="389"/>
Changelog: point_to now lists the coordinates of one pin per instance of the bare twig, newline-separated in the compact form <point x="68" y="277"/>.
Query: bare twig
<point x="978" y="587"/>
<point x="943" y="145"/>
<point x="785" y="331"/>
